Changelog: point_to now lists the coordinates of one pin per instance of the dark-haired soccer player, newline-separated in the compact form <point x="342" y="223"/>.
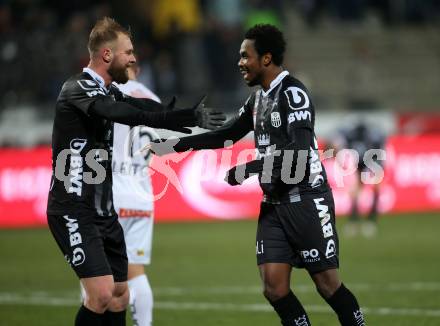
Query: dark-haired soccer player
<point x="296" y="226"/>
<point x="80" y="209"/>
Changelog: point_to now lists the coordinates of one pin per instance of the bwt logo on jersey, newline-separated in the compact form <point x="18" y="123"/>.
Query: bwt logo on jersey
<point x="297" y="98"/>
<point x="310" y="256"/>
<point x="327" y="229"/>
<point x="298" y="116"/>
<point x="76" y="166"/>
<point x="78" y="255"/>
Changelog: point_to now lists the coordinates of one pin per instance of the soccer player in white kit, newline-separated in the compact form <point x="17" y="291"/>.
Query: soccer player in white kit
<point x="133" y="200"/>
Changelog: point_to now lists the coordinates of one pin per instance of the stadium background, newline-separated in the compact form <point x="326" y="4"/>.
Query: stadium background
<point x="375" y="61"/>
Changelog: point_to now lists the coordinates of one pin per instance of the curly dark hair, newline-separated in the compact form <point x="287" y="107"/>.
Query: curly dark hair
<point x="268" y="39"/>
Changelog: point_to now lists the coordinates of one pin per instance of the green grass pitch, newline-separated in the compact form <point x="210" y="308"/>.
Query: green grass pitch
<point x="205" y="274"/>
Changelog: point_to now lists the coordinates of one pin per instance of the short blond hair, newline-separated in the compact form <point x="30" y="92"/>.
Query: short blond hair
<point x="105" y="30"/>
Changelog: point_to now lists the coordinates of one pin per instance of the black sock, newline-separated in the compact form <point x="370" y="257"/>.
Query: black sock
<point x="344" y="303"/>
<point x="86" y="317"/>
<point x="354" y="215"/>
<point x="114" y="318"/>
<point x="291" y="311"/>
<point x="372" y="216"/>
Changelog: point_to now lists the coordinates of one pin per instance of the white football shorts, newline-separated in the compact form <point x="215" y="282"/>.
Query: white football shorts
<point x="138" y="233"/>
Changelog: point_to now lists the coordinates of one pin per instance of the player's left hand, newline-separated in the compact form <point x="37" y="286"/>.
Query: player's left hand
<point x="208" y="118"/>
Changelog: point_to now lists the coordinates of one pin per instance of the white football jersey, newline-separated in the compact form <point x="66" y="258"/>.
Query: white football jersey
<point x="132" y="189"/>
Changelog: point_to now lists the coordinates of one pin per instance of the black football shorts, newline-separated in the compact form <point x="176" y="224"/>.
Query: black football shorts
<point x="92" y="245"/>
<point x="302" y="234"/>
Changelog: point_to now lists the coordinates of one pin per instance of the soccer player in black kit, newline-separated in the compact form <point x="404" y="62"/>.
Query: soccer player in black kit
<point x="80" y="209"/>
<point x="296" y="225"/>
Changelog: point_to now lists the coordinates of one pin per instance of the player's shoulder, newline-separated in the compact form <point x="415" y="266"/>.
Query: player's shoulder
<point x="81" y="81"/>
<point x="292" y="81"/>
<point x="296" y="94"/>
<point x="79" y="84"/>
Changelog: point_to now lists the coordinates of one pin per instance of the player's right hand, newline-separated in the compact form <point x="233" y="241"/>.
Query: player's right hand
<point x="197" y="115"/>
<point x="208" y="118"/>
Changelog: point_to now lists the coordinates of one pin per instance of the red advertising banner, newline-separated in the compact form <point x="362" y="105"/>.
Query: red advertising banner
<point x="24" y="184"/>
<point x="413" y="174"/>
<point x="418" y="123"/>
<point x="190" y="186"/>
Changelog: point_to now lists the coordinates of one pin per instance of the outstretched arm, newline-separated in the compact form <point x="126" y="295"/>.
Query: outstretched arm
<point x="126" y="113"/>
<point x="207" y="118"/>
<point x="233" y="131"/>
<point x="144" y="104"/>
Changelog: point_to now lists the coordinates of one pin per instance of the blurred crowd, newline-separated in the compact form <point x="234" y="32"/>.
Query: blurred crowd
<point x="184" y="46"/>
<point x="391" y="12"/>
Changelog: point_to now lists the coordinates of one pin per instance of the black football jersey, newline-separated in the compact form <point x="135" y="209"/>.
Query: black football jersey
<point x="81" y="150"/>
<point x="275" y="114"/>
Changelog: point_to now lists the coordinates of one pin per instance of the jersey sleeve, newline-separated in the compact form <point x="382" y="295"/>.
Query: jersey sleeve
<point x="299" y="108"/>
<point x="82" y="93"/>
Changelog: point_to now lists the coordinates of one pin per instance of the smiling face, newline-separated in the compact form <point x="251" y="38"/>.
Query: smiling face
<point x="122" y="58"/>
<point x="250" y="63"/>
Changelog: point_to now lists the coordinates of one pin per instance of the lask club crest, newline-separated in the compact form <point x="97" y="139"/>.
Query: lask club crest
<point x="275" y="119"/>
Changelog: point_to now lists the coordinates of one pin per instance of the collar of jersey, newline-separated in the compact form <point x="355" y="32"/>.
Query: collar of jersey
<point x="95" y="76"/>
<point x="275" y="82"/>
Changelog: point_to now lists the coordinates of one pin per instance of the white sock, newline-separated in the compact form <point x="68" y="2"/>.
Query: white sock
<point x="141" y="301"/>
